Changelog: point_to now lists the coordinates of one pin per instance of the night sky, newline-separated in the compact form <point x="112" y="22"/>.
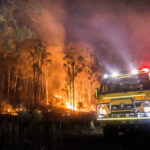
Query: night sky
<point x="116" y="28"/>
<point x="115" y="32"/>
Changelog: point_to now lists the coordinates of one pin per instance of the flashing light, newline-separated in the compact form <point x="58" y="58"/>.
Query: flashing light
<point x="105" y="76"/>
<point x="145" y="69"/>
<point x="115" y="74"/>
<point x="134" y="71"/>
<point x="147" y="109"/>
<point x="148" y="114"/>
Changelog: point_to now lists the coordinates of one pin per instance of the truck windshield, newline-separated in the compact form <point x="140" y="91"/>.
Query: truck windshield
<point x="134" y="83"/>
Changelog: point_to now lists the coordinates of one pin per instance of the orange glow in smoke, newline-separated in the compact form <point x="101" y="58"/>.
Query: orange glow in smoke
<point x="69" y="106"/>
<point x="11" y="111"/>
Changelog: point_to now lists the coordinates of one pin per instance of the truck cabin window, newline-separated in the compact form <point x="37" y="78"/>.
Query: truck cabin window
<point x="117" y="85"/>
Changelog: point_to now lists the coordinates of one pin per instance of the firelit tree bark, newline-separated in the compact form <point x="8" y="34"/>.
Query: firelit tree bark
<point x="74" y="64"/>
<point x="40" y="60"/>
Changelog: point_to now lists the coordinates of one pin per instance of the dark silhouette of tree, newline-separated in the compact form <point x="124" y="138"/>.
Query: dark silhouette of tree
<point x="15" y="40"/>
<point x="12" y="35"/>
<point x="40" y="59"/>
<point x="73" y="64"/>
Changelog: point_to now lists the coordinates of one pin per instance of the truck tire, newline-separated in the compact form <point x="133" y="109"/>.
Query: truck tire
<point x="109" y="132"/>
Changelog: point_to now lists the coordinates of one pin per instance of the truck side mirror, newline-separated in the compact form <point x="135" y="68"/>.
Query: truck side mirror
<point x="97" y="92"/>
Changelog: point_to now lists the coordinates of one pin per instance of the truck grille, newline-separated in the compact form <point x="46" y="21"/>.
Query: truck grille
<point x="124" y="115"/>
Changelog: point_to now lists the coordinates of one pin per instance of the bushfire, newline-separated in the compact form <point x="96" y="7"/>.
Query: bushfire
<point x="79" y="106"/>
<point x="11" y="111"/>
<point x="40" y="71"/>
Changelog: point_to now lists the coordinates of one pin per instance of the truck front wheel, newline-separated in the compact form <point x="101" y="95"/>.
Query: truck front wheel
<point x="109" y="131"/>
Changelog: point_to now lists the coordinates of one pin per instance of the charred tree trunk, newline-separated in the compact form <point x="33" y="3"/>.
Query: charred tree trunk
<point x="16" y="79"/>
<point x="35" y="87"/>
<point x="46" y="87"/>
<point x="8" y="88"/>
<point x="89" y="93"/>
<point x="73" y="69"/>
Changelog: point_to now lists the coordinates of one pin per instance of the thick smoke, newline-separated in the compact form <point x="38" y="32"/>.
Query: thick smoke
<point x="115" y="32"/>
<point x="112" y="35"/>
<point x="112" y="29"/>
<point x="49" y="27"/>
<point x="120" y="28"/>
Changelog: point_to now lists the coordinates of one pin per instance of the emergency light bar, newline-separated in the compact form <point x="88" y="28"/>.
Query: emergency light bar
<point x="134" y="71"/>
<point x="144" y="70"/>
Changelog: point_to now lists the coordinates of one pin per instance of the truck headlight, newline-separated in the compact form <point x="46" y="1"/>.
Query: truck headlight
<point x="148" y="114"/>
<point x="146" y="109"/>
<point x="101" y="109"/>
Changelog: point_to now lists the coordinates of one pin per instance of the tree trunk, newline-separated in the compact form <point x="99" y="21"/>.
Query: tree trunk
<point x="35" y="87"/>
<point x="16" y="79"/>
<point x="73" y="87"/>
<point x="89" y="93"/>
<point x="47" y="96"/>
<point x="8" y="82"/>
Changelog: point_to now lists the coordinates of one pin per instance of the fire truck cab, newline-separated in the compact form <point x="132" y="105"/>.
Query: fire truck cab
<point x="124" y="101"/>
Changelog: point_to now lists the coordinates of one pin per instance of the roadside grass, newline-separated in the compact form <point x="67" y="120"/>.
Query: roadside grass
<point x="35" y="132"/>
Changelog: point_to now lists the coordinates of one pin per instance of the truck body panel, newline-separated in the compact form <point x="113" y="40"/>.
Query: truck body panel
<point x="124" y="100"/>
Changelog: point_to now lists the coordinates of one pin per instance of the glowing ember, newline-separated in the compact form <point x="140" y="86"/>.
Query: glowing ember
<point x="8" y="109"/>
<point x="57" y="96"/>
<point x="92" y="108"/>
<point x="68" y="105"/>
